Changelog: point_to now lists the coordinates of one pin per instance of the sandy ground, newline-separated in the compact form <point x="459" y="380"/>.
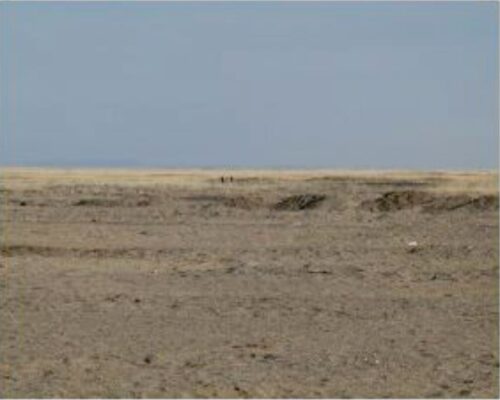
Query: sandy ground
<point x="172" y="284"/>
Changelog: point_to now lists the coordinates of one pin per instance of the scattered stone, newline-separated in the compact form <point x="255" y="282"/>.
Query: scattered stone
<point x="316" y="270"/>
<point x="412" y="247"/>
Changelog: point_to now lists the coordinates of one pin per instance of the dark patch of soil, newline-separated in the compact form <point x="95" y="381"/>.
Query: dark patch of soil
<point x="399" y="200"/>
<point x="374" y="182"/>
<point x="103" y="202"/>
<point x="397" y="183"/>
<point x="46" y="251"/>
<point x="299" y="202"/>
<point x="18" y="202"/>
<point x="20" y="250"/>
<point x="205" y="198"/>
<point x="257" y="180"/>
<point x="97" y="202"/>
<point x="143" y="202"/>
<point x="243" y="202"/>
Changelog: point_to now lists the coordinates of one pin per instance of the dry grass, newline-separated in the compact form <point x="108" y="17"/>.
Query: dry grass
<point x="485" y="183"/>
<point x="447" y="181"/>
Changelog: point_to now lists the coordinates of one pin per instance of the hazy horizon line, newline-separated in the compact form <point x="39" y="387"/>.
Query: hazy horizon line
<point x="241" y="168"/>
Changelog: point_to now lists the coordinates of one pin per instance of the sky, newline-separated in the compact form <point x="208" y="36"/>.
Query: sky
<point x="351" y="85"/>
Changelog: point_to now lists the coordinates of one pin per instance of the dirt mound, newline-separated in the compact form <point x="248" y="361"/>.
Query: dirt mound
<point x="479" y="203"/>
<point x="488" y="202"/>
<point x="299" y="202"/>
<point x="393" y="201"/>
<point x="399" y="200"/>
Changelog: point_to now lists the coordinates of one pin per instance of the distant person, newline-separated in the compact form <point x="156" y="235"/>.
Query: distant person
<point x="222" y="179"/>
<point x="230" y="178"/>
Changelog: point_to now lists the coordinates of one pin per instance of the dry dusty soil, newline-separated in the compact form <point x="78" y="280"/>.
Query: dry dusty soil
<point x="173" y="284"/>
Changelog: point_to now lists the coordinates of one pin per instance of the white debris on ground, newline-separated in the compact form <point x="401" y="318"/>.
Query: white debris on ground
<point x="412" y="246"/>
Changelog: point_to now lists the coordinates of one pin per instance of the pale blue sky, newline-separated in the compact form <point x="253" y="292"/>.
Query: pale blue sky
<point x="341" y="85"/>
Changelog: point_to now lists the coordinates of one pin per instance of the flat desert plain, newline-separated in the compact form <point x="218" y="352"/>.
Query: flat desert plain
<point x="170" y="283"/>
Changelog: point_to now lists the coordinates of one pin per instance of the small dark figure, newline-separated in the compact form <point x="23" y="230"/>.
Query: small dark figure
<point x="222" y="179"/>
<point x="231" y="178"/>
